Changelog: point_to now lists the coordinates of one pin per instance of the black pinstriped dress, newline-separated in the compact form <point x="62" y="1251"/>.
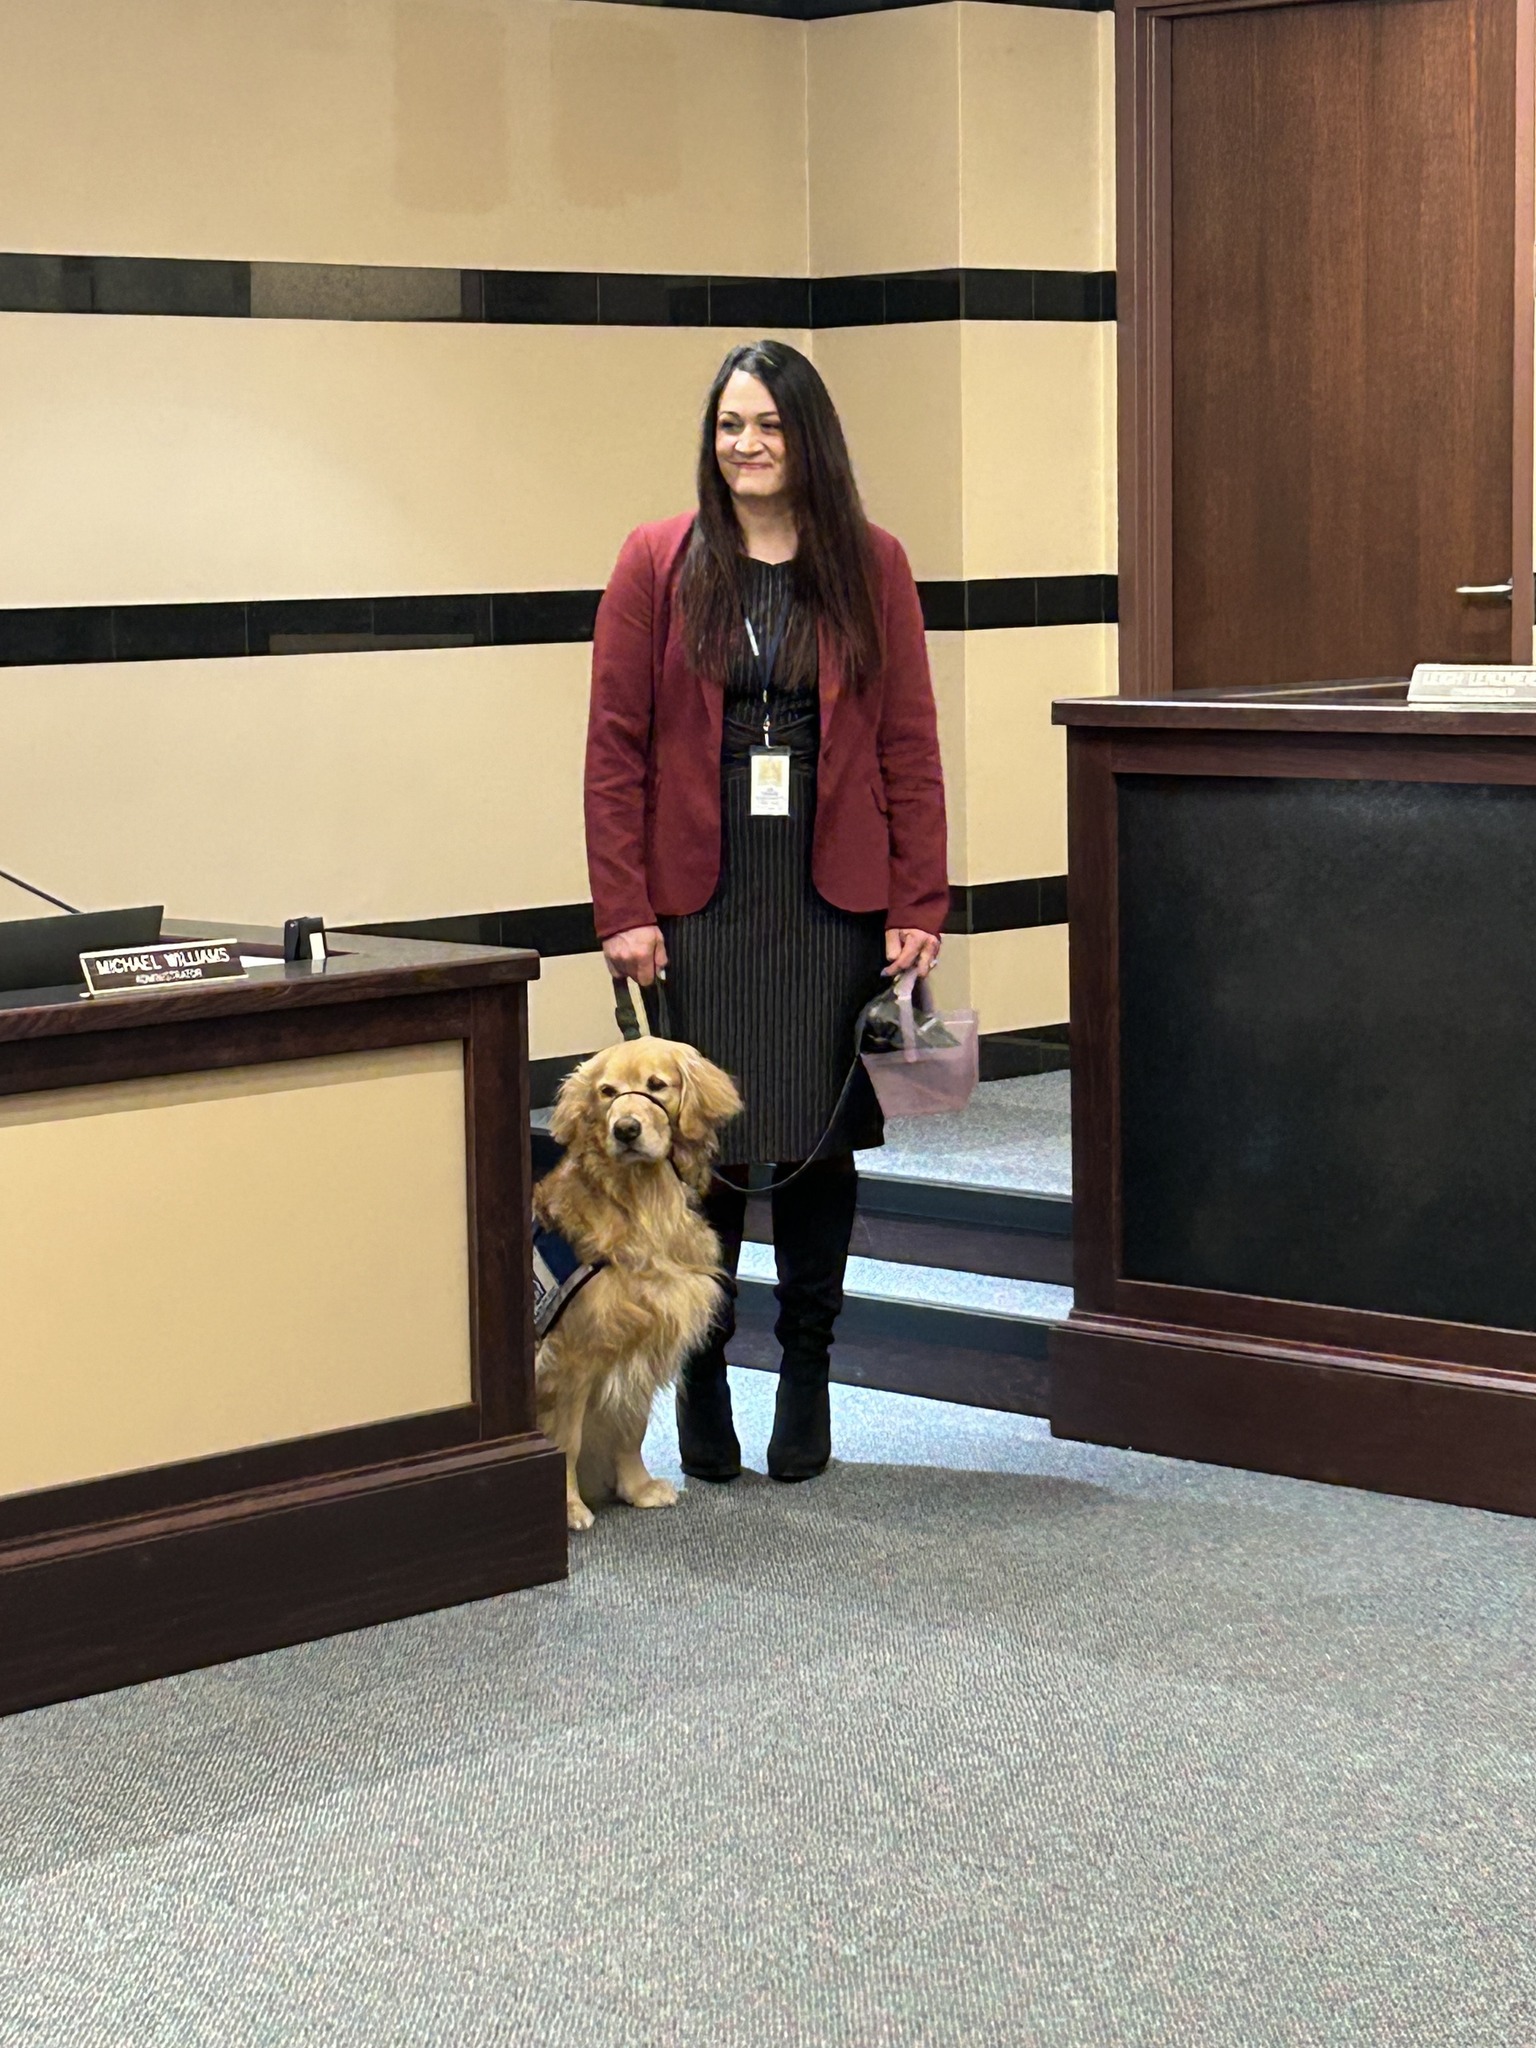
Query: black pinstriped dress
<point x="768" y="979"/>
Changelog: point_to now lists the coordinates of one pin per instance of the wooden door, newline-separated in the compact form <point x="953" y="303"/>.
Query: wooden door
<point x="1326" y="398"/>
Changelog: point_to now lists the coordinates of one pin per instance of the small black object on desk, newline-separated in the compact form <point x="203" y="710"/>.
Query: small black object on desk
<point x="299" y="939"/>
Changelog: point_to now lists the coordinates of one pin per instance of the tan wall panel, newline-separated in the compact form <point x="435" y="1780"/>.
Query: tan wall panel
<point x="898" y="391"/>
<point x="132" y="1217"/>
<point x="1013" y="980"/>
<point x="952" y="976"/>
<point x="883" y="92"/>
<point x="1030" y="189"/>
<point x="947" y="661"/>
<point x="1016" y="760"/>
<point x="571" y="1007"/>
<point x="532" y="134"/>
<point x="1109" y="472"/>
<point x="1019" y="979"/>
<point x="360" y="786"/>
<point x="159" y="460"/>
<point x="21" y="903"/>
<point x="1036" y="465"/>
<point x="1107" y="139"/>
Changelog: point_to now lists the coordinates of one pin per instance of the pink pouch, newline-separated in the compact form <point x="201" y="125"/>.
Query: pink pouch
<point x="925" y="1079"/>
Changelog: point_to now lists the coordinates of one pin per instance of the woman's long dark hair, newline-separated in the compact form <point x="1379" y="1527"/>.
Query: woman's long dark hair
<point x="834" y="563"/>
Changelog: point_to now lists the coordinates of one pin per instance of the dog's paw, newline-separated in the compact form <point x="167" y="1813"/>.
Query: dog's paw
<point x="578" y="1515"/>
<point x="653" y="1493"/>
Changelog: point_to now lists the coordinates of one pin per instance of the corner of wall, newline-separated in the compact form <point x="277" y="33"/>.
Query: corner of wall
<point x="1107" y="140"/>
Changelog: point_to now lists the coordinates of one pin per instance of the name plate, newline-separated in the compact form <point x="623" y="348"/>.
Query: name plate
<point x="1507" y="688"/>
<point x="135" y="969"/>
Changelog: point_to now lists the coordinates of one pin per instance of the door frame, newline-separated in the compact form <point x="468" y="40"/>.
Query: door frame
<point x="1144" y="214"/>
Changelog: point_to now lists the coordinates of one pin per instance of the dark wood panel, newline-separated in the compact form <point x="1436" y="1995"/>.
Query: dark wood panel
<point x="256" y="1038"/>
<point x="1326" y="992"/>
<point x="1347" y="1330"/>
<point x="370" y="970"/>
<point x="171" y="1592"/>
<point x="1242" y="206"/>
<point x="1369" y="710"/>
<point x="1342" y="230"/>
<point x="500" y="1198"/>
<point x="1340" y="756"/>
<point x="1143" y="349"/>
<point x="159" y="1488"/>
<point x="1348" y="1421"/>
<point x="1093" y="887"/>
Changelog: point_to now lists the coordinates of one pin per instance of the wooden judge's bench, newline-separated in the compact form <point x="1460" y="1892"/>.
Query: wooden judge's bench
<point x="267" y="1341"/>
<point x="1303" y="932"/>
<point x="1302" y="922"/>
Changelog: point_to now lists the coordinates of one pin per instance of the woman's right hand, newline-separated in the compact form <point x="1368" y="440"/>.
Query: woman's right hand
<point x="638" y="955"/>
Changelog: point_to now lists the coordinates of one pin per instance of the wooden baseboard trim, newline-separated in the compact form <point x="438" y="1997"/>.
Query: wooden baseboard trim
<point x="88" y="1610"/>
<point x="162" y="1488"/>
<point x="904" y="1348"/>
<point x="1388" y="1426"/>
<point x="972" y="1379"/>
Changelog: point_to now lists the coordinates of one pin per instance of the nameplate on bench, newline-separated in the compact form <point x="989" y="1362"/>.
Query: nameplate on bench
<point x="1489" y="688"/>
<point x="143" y="970"/>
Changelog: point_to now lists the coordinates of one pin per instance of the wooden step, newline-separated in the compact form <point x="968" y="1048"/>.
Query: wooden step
<point x="904" y="1347"/>
<point x="1009" y="1234"/>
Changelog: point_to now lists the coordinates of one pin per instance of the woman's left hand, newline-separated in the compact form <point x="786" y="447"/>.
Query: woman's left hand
<point x="909" y="947"/>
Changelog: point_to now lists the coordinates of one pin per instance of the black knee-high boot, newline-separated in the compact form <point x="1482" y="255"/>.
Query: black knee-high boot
<point x="812" y="1229"/>
<point x="706" y="1435"/>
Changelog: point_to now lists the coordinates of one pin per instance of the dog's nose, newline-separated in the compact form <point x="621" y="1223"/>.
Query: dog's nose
<point x="627" y="1129"/>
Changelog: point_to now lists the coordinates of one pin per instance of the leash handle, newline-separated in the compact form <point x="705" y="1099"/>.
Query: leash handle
<point x="630" y="1011"/>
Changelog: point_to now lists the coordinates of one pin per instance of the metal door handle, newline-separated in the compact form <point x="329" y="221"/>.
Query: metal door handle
<point x="1490" y="593"/>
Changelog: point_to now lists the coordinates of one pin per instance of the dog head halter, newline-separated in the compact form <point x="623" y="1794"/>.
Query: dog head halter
<point x="645" y="1096"/>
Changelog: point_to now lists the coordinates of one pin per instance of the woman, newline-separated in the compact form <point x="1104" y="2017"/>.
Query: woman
<point x="765" y="828"/>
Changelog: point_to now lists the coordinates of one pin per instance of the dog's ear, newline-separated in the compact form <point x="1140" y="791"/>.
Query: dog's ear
<point x="708" y="1096"/>
<point x="572" y="1103"/>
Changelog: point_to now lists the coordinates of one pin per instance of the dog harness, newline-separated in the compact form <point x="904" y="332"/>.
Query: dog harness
<point x="558" y="1277"/>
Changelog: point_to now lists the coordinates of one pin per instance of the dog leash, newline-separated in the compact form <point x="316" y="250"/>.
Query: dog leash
<point x="630" y="1027"/>
<point x="837" y="1108"/>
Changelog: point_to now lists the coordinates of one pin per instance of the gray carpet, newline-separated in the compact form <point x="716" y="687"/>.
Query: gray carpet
<point x="1056" y="1746"/>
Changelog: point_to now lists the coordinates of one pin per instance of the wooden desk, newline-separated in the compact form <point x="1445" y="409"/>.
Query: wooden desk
<point x="266" y="1364"/>
<point x="1303" y="934"/>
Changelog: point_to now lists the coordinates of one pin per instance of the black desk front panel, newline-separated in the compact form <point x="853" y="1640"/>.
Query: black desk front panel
<point x="1328" y="1042"/>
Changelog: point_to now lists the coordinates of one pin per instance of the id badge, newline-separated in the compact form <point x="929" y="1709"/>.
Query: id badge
<point x="770" y="782"/>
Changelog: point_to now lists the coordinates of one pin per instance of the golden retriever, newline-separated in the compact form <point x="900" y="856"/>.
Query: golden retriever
<point x="639" y="1122"/>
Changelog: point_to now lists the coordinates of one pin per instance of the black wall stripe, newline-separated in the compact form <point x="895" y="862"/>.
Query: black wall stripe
<point x="43" y="635"/>
<point x="218" y="290"/>
<point x="321" y="625"/>
<point x="559" y="929"/>
<point x="555" y="929"/>
<point x="991" y="602"/>
<point x="1007" y="906"/>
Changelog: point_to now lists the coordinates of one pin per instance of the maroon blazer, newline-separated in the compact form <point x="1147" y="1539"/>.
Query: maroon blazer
<point x="653" y="757"/>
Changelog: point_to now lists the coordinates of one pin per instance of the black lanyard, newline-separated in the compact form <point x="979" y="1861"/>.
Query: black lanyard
<point x="767" y="658"/>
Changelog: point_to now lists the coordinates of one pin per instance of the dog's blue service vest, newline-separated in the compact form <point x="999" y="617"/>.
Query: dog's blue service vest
<point x="558" y="1277"/>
